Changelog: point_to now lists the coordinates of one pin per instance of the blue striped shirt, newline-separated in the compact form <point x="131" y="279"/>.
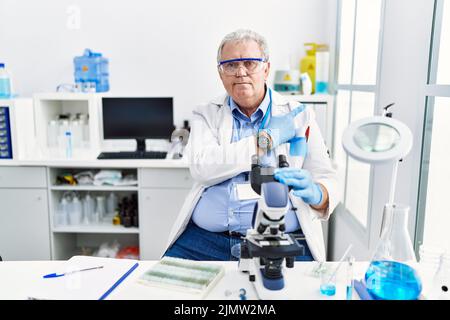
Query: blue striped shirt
<point x="219" y="209"/>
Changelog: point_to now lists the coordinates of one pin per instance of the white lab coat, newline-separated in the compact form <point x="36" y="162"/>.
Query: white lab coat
<point x="213" y="158"/>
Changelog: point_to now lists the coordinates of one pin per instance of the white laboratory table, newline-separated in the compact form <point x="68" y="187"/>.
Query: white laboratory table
<point x="16" y="277"/>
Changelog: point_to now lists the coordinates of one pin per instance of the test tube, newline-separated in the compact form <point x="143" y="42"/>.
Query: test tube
<point x="350" y="284"/>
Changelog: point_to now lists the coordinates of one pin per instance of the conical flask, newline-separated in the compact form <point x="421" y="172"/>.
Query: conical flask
<point x="391" y="274"/>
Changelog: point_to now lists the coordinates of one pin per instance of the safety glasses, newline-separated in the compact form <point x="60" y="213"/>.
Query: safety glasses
<point x="250" y="65"/>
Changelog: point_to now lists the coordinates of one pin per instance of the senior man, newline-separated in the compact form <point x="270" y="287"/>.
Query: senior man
<point x="224" y="134"/>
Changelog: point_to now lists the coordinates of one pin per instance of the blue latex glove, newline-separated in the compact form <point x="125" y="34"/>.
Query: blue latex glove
<point x="282" y="128"/>
<point x="302" y="183"/>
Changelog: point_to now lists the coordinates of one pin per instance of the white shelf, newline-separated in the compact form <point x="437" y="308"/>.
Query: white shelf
<point x="94" y="188"/>
<point x="95" y="229"/>
<point x="314" y="98"/>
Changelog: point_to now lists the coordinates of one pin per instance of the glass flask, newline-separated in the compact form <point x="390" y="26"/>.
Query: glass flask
<point x="441" y="281"/>
<point x="391" y="274"/>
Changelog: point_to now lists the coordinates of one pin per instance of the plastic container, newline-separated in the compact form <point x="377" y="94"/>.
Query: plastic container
<point x="308" y="63"/>
<point x="77" y="133"/>
<point x="76" y="211"/>
<point x="322" y="69"/>
<point x="101" y="208"/>
<point x="89" y="210"/>
<point x="52" y="133"/>
<point x="91" y="72"/>
<point x="306" y="84"/>
<point x="84" y="120"/>
<point x="68" y="140"/>
<point x="111" y="204"/>
<point x="5" y="83"/>
<point x="61" y="215"/>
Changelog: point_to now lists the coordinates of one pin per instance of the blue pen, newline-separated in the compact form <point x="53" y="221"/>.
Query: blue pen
<point x="56" y="275"/>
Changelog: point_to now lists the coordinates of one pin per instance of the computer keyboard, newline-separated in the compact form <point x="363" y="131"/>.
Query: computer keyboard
<point x="133" y="155"/>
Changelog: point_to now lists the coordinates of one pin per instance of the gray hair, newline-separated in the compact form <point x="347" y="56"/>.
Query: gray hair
<point x="244" y="35"/>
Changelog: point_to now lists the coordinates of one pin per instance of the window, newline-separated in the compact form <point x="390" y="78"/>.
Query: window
<point x="357" y="43"/>
<point x="443" y="71"/>
<point x="437" y="217"/>
<point x="433" y="214"/>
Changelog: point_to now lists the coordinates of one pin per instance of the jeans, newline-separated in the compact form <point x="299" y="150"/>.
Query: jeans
<point x="199" y="244"/>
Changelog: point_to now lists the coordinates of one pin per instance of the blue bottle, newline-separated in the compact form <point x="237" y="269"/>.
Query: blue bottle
<point x="5" y="83"/>
<point x="91" y="72"/>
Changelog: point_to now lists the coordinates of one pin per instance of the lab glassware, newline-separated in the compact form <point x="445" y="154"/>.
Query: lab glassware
<point x="328" y="282"/>
<point x="391" y="274"/>
<point x="430" y="259"/>
<point x="441" y="282"/>
<point x="328" y="276"/>
<point x="350" y="283"/>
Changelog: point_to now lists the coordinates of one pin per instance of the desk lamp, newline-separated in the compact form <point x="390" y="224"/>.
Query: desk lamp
<point x="383" y="140"/>
<point x="379" y="140"/>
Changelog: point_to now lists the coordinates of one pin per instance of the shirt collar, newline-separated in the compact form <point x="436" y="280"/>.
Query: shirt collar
<point x="261" y="109"/>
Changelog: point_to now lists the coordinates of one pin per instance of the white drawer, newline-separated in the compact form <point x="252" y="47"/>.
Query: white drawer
<point x="166" y="178"/>
<point x="23" y="177"/>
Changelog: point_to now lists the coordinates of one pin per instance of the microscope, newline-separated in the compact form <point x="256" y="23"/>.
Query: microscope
<point x="266" y="246"/>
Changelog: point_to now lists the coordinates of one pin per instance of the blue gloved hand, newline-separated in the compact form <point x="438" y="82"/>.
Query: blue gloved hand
<point x="302" y="183"/>
<point x="281" y="129"/>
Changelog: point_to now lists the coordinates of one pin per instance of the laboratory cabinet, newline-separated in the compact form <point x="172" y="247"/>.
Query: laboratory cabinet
<point x="162" y="194"/>
<point x="159" y="209"/>
<point x="24" y="219"/>
<point x="30" y="198"/>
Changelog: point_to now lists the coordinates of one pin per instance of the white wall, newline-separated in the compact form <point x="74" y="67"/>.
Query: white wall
<point x="161" y="48"/>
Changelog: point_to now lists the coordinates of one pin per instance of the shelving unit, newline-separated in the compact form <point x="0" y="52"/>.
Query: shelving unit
<point x="95" y="229"/>
<point x="71" y="239"/>
<point x="48" y="105"/>
<point x="93" y="188"/>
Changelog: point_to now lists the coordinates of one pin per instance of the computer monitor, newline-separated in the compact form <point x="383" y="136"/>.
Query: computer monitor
<point x="137" y="118"/>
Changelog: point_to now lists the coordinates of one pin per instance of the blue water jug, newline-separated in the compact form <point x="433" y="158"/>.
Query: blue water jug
<point x="92" y="68"/>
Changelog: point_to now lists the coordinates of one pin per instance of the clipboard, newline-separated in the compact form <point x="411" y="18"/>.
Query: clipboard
<point x="89" y="285"/>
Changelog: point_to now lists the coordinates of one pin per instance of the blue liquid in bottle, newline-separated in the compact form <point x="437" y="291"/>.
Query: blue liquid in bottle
<point x="328" y="289"/>
<point x="392" y="280"/>
<point x="321" y="87"/>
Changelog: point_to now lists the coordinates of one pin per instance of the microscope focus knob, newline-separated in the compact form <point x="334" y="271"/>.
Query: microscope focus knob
<point x="290" y="262"/>
<point x="262" y="261"/>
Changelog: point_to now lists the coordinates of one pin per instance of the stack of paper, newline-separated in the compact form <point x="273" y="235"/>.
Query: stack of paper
<point x="183" y="275"/>
<point x="94" y="284"/>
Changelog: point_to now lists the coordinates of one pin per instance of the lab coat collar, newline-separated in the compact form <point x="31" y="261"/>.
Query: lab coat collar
<point x="263" y="106"/>
<point x="277" y="99"/>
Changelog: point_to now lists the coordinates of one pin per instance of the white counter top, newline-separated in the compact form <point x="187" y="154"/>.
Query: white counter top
<point x="17" y="276"/>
